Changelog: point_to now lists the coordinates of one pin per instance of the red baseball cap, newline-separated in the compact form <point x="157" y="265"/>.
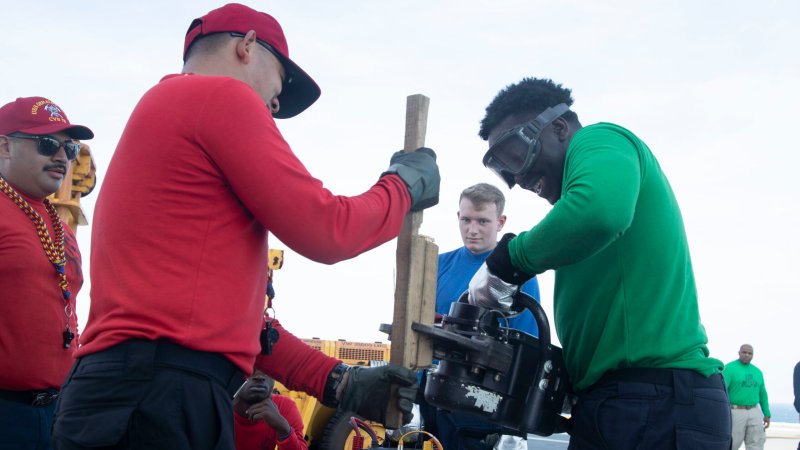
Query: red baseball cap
<point x="38" y="115"/>
<point x="299" y="90"/>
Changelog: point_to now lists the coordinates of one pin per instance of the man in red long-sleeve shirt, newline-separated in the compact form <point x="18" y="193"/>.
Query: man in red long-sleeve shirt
<point x="199" y="178"/>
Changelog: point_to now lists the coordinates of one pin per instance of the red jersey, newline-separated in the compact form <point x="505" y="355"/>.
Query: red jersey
<point x="258" y="435"/>
<point x="32" y="319"/>
<point x="201" y="175"/>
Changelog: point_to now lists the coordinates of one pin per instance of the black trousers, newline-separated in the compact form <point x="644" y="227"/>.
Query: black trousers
<point x="653" y="409"/>
<point x="147" y="395"/>
<point x="24" y="426"/>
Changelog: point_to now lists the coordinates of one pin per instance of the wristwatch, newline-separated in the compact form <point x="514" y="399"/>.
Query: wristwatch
<point x="334" y="379"/>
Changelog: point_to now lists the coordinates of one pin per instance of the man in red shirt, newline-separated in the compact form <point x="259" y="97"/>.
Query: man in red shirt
<point x="264" y="419"/>
<point x="40" y="272"/>
<point x="200" y="177"/>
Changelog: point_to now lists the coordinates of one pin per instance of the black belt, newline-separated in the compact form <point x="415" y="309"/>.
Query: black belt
<point x="33" y="398"/>
<point x="664" y="377"/>
<point x="170" y="355"/>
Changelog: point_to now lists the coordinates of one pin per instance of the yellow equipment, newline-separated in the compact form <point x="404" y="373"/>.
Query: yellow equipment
<point x="79" y="182"/>
<point x="324" y="427"/>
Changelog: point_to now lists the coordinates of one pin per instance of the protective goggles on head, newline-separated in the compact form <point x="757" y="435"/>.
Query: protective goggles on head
<point x="516" y="150"/>
<point x="49" y="146"/>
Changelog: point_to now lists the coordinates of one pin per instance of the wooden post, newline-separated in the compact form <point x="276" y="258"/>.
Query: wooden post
<point x="417" y="265"/>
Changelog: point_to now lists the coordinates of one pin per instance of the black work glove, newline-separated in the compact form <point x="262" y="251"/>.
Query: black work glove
<point x="367" y="391"/>
<point x="499" y="263"/>
<point x="497" y="281"/>
<point x="420" y="173"/>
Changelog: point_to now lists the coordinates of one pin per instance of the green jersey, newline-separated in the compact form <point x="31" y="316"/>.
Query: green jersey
<point x="745" y="384"/>
<point x="625" y="293"/>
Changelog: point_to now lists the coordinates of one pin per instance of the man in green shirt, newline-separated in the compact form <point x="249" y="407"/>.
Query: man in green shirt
<point x="625" y="301"/>
<point x="747" y="391"/>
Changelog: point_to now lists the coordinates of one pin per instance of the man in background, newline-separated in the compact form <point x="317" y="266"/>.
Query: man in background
<point x="199" y="179"/>
<point x="749" y="402"/>
<point x="263" y="419"/>
<point x="480" y="219"/>
<point x="40" y="273"/>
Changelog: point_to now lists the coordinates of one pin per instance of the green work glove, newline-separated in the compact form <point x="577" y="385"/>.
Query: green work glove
<point x="367" y="391"/>
<point x="419" y="171"/>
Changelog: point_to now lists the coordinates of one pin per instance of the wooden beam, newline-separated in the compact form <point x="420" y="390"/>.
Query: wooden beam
<point x="417" y="265"/>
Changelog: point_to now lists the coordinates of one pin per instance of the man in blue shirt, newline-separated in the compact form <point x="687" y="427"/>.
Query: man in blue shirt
<point x="480" y="219"/>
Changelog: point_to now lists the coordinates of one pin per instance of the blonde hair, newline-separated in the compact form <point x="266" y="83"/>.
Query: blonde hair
<point x="484" y="194"/>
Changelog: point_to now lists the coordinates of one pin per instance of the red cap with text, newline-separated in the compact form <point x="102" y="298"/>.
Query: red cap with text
<point x="299" y="90"/>
<point x="38" y="116"/>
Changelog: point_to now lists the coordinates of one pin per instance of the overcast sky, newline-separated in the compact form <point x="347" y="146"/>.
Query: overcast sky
<point x="711" y="86"/>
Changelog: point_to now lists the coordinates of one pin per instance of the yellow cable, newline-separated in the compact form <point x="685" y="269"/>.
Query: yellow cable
<point x="433" y="438"/>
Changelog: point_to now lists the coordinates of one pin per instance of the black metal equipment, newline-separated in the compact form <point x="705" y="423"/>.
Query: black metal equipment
<point x="503" y="375"/>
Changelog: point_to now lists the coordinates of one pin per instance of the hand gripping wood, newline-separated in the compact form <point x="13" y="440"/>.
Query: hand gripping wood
<point x="417" y="265"/>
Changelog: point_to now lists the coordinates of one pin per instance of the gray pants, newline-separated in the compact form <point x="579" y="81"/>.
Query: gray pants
<point x="748" y="427"/>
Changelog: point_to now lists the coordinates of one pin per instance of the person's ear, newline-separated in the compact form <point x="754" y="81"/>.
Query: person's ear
<point x="500" y="222"/>
<point x="560" y="128"/>
<point x="246" y="46"/>
<point x="5" y="147"/>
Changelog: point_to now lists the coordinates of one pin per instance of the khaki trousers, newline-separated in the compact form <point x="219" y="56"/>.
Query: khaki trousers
<point x="748" y="427"/>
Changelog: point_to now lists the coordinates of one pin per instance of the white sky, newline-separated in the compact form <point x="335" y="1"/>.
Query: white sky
<point x="711" y="86"/>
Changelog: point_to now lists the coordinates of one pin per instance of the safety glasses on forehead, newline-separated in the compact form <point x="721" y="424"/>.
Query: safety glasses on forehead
<point x="49" y="146"/>
<point x="515" y="151"/>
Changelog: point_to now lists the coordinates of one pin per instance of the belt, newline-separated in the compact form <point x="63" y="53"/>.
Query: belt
<point x="743" y="406"/>
<point x="170" y="355"/>
<point x="33" y="398"/>
<point x="664" y="377"/>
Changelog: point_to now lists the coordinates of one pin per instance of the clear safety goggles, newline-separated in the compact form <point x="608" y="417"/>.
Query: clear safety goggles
<point x="517" y="149"/>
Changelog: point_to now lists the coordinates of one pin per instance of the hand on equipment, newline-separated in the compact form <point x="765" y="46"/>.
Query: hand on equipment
<point x="419" y="171"/>
<point x="367" y="391"/>
<point x="490" y="292"/>
<point x="496" y="283"/>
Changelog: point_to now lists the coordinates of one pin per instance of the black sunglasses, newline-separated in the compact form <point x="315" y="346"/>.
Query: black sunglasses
<point x="49" y="146"/>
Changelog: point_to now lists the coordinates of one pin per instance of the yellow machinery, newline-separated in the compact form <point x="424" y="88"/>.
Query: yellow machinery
<point x="329" y="429"/>
<point x="325" y="428"/>
<point x="79" y="182"/>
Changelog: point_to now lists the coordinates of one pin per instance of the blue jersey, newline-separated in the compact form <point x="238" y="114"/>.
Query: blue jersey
<point x="458" y="430"/>
<point x="456" y="269"/>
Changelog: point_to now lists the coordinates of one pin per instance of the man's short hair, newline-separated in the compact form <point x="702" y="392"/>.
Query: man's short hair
<point x="208" y="44"/>
<point x="483" y="194"/>
<point x="529" y="96"/>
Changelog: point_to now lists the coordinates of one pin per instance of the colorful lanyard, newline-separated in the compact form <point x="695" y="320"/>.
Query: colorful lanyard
<point x="53" y="250"/>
